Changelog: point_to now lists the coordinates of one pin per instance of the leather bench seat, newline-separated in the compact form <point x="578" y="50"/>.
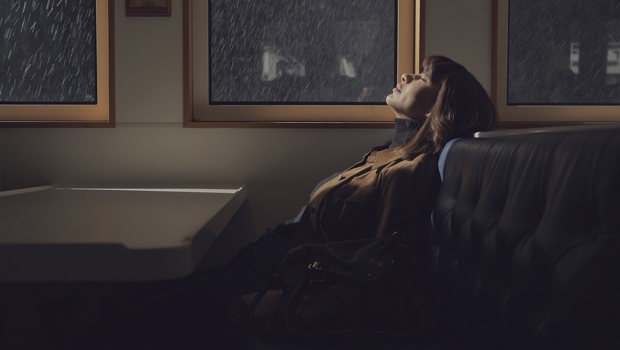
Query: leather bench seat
<point x="528" y="240"/>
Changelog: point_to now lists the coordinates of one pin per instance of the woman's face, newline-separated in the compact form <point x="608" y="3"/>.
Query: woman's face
<point x="413" y="97"/>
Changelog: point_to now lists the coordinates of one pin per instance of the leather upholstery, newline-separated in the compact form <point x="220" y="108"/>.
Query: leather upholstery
<point x="528" y="238"/>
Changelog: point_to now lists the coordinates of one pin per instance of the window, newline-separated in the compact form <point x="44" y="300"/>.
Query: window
<point x="296" y="63"/>
<point x="56" y="63"/>
<point x="557" y="61"/>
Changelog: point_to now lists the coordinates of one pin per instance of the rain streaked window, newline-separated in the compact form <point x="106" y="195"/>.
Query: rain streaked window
<point x="296" y="63"/>
<point x="564" y="52"/>
<point x="48" y="52"/>
<point x="301" y="51"/>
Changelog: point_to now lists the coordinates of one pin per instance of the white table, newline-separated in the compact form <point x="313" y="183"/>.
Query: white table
<point x="109" y="234"/>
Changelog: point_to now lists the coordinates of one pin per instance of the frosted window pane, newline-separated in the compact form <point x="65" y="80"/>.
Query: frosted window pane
<point x="302" y="51"/>
<point x="48" y="52"/>
<point x="564" y="52"/>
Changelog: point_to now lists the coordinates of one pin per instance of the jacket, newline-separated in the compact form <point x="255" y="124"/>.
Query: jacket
<point x="381" y="194"/>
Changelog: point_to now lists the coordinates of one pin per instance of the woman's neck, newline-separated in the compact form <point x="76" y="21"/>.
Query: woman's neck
<point x="404" y="130"/>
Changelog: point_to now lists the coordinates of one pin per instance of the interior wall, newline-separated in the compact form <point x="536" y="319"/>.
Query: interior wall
<point x="149" y="146"/>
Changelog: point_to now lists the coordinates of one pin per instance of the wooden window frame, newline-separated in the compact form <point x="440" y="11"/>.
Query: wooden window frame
<point x="101" y="114"/>
<point x="409" y="55"/>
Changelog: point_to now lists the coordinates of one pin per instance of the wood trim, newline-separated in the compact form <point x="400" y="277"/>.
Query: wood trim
<point x="494" y="62"/>
<point x="56" y="124"/>
<point x="420" y="16"/>
<point x="111" y="68"/>
<point x="288" y="125"/>
<point x="187" y="65"/>
<point x="541" y="124"/>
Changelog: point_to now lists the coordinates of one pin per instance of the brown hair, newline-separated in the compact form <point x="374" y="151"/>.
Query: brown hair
<point x="462" y="107"/>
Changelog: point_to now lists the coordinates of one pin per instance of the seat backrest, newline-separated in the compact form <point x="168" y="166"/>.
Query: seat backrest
<point x="528" y="234"/>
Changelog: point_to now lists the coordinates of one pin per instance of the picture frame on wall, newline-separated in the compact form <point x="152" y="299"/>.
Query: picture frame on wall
<point x="145" y="8"/>
<point x="552" y="66"/>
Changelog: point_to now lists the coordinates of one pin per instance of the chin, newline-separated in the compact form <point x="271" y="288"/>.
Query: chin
<point x="389" y="99"/>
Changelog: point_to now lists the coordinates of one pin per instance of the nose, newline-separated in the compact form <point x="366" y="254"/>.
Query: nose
<point x="407" y="78"/>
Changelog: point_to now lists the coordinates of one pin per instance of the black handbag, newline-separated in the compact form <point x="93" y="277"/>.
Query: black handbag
<point x="364" y="288"/>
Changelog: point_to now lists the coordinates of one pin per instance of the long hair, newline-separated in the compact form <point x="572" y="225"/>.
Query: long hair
<point x="462" y="107"/>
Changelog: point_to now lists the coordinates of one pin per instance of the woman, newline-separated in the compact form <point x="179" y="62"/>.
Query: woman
<point x="393" y="188"/>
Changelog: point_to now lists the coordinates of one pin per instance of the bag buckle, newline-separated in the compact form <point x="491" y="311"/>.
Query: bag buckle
<point x="315" y="265"/>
